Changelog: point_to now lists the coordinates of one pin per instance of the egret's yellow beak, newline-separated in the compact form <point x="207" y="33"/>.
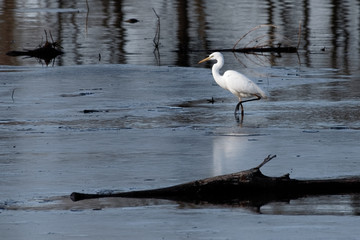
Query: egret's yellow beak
<point x="204" y="60"/>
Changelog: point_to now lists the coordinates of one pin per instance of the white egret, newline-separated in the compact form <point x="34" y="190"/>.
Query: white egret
<point x="235" y="82"/>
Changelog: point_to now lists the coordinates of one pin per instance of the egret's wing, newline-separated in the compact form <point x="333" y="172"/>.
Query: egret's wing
<point x="241" y="85"/>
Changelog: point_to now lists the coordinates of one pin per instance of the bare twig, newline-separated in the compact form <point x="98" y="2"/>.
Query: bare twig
<point x="156" y="39"/>
<point x="12" y="95"/>
<point x="256" y="40"/>
<point x="52" y="40"/>
<point x="46" y="35"/>
<point x="87" y="16"/>
<point x="266" y="160"/>
<point x="87" y="6"/>
<point x="253" y="29"/>
<point x="299" y="36"/>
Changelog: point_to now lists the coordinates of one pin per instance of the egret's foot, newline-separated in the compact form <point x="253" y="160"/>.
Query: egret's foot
<point x="239" y="118"/>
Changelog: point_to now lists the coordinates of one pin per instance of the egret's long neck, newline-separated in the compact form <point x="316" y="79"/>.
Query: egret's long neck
<point x="216" y="74"/>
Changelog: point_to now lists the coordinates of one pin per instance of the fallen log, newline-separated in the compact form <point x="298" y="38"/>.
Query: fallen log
<point x="250" y="185"/>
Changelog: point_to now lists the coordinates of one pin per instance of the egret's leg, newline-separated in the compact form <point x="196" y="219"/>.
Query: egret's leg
<point x="241" y="102"/>
<point x="237" y="108"/>
<point x="254" y="99"/>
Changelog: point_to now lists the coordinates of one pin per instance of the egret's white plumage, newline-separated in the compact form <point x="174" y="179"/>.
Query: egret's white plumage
<point x="235" y="82"/>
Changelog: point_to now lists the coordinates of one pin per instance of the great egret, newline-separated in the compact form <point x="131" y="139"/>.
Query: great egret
<point x="237" y="83"/>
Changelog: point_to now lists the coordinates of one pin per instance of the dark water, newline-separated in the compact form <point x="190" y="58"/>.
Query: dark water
<point x="101" y="32"/>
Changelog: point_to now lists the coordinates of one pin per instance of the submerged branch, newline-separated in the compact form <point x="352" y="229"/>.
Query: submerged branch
<point x="262" y="49"/>
<point x="261" y="45"/>
<point x="47" y="51"/>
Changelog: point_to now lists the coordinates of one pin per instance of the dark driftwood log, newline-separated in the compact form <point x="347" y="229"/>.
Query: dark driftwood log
<point x="249" y="185"/>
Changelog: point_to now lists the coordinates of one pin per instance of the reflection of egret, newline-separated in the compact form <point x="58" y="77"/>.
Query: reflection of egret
<point x="227" y="152"/>
<point x="237" y="83"/>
